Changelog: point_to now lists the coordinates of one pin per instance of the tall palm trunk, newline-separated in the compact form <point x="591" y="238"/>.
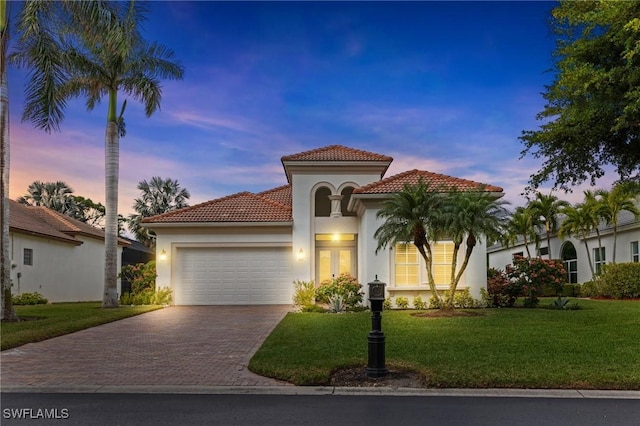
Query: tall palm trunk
<point x="586" y="246"/>
<point x="615" y="239"/>
<point x="471" y="243"/>
<point x="7" y="313"/>
<point x="526" y="246"/>
<point x="112" y="162"/>
<point x="428" y="260"/>
<point x="548" y="229"/>
<point x="452" y="278"/>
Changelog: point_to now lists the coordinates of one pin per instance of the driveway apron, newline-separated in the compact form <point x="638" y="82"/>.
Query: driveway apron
<point x="175" y="346"/>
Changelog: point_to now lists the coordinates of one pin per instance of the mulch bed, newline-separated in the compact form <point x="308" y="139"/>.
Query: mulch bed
<point x="357" y="377"/>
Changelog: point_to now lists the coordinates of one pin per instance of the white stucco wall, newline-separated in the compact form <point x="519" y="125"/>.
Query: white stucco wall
<point x="499" y="258"/>
<point x="61" y="272"/>
<point x="306" y="225"/>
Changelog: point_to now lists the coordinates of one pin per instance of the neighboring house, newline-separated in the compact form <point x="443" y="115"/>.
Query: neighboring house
<point x="55" y="255"/>
<point x="134" y="253"/>
<point x="572" y="250"/>
<point x="248" y="248"/>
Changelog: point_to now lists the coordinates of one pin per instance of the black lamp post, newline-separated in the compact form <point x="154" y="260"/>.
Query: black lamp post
<point x="375" y="367"/>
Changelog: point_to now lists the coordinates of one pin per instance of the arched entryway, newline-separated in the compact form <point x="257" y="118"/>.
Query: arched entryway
<point x="570" y="259"/>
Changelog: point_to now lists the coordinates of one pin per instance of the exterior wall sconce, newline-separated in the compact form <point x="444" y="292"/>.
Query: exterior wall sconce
<point x="300" y="255"/>
<point x="163" y="255"/>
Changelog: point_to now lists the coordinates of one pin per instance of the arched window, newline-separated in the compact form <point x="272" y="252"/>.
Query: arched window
<point x="570" y="259"/>
<point x="346" y="197"/>
<point x="323" y="204"/>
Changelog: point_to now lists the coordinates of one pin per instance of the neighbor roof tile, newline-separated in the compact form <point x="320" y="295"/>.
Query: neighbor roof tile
<point x="411" y="177"/>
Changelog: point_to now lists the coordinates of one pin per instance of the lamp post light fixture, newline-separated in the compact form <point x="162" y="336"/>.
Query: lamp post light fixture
<point x="376" y="364"/>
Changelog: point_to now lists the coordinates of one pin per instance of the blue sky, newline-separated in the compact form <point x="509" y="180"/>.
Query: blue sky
<point x="441" y="86"/>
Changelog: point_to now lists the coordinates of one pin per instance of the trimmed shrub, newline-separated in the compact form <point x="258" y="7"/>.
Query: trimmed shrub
<point x="419" y="304"/>
<point x="386" y="305"/>
<point x="620" y="280"/>
<point x="402" y="302"/>
<point x="436" y="303"/>
<point x="29" y="299"/>
<point x="148" y="296"/>
<point x="589" y="289"/>
<point x="463" y="299"/>
<point x="345" y="286"/>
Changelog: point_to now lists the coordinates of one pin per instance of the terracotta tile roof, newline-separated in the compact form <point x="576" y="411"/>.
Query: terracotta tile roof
<point x="397" y="182"/>
<point x="336" y="153"/>
<point x="240" y="207"/>
<point x="24" y="219"/>
<point x="281" y="194"/>
<point x="51" y="224"/>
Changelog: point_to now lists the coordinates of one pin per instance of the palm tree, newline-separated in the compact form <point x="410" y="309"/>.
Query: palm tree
<point x="578" y="221"/>
<point x="523" y="222"/>
<point x="410" y="216"/>
<point x="467" y="216"/>
<point x="158" y="196"/>
<point x="620" y="198"/>
<point x="57" y="196"/>
<point x="92" y="50"/>
<point x="7" y="313"/>
<point x="597" y="212"/>
<point x="547" y="207"/>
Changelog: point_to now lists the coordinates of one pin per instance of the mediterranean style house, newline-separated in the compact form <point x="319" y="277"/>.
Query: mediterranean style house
<point x="56" y="255"/>
<point x="249" y="248"/>
<point x="573" y="251"/>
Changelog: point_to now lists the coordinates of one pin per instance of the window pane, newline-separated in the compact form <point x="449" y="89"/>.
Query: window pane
<point x="27" y="256"/>
<point x="324" y="265"/>
<point x="344" y="266"/>
<point x="442" y="257"/>
<point x="406" y="265"/>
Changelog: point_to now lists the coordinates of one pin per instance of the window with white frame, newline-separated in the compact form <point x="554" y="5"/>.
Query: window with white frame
<point x="407" y="265"/>
<point x="635" y="252"/>
<point x="599" y="258"/>
<point x="27" y="257"/>
<point x="442" y="256"/>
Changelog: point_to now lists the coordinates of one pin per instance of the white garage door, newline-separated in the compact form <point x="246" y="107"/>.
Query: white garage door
<point x="233" y="276"/>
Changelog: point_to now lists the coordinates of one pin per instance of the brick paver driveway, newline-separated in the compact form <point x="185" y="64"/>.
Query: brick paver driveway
<point x="175" y="346"/>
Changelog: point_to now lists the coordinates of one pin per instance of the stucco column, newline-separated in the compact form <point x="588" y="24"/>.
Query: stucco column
<point x="336" y="210"/>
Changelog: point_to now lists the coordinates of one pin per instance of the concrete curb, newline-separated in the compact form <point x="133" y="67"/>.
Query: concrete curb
<point x="331" y="390"/>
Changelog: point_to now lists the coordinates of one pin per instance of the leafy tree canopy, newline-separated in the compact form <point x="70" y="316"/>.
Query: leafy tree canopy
<point x="592" y="114"/>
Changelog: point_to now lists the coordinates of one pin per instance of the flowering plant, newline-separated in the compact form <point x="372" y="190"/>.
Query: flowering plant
<point x="531" y="275"/>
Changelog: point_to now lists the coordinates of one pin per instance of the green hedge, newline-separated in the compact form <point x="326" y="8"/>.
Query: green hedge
<point x="616" y="280"/>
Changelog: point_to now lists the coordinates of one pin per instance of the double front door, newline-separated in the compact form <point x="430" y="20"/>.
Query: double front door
<point x="333" y="261"/>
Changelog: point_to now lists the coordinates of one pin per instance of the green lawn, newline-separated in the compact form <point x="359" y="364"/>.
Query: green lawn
<point x="46" y="321"/>
<point x="596" y="347"/>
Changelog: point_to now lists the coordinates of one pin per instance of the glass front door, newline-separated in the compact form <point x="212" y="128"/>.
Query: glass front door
<point x="335" y="257"/>
<point x="333" y="261"/>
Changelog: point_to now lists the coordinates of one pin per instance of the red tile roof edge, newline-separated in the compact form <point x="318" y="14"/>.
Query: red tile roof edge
<point x="158" y="218"/>
<point x="368" y="188"/>
<point x="376" y="156"/>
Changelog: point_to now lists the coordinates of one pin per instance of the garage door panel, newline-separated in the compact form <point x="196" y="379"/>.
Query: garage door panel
<point x="248" y="275"/>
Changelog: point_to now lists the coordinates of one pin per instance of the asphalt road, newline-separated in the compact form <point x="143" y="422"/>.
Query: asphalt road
<point x="198" y="409"/>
